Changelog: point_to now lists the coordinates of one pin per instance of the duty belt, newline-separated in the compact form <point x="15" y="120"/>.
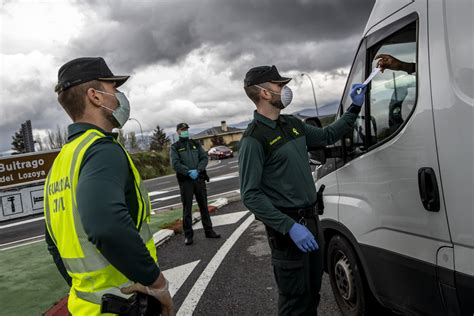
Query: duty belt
<point x="300" y="214"/>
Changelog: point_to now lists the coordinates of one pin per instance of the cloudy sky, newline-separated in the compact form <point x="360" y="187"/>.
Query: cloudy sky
<point x="187" y="58"/>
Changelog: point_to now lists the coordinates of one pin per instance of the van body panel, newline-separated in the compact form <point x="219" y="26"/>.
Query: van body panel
<point x="382" y="9"/>
<point x="452" y="73"/>
<point x="331" y="195"/>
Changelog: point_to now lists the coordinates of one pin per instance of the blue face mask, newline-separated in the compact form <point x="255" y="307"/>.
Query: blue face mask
<point x="184" y="134"/>
<point x="122" y="112"/>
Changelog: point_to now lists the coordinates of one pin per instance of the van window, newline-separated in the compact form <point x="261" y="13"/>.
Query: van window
<point x="392" y="94"/>
<point x="356" y="76"/>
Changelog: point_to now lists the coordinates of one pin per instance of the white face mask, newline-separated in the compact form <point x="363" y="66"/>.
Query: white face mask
<point x="286" y="96"/>
<point x="122" y="112"/>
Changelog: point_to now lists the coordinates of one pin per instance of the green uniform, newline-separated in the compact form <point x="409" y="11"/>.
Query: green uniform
<point x="107" y="204"/>
<point x="187" y="154"/>
<point x="276" y="182"/>
<point x="190" y="155"/>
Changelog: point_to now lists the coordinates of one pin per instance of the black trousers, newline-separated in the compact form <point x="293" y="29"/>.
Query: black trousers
<point x="188" y="188"/>
<point x="297" y="274"/>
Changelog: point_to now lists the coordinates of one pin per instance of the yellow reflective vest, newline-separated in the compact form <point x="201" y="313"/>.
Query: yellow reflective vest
<point x="92" y="275"/>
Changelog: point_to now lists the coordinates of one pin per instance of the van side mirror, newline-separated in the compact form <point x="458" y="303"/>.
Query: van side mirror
<point x="319" y="155"/>
<point x="315" y="121"/>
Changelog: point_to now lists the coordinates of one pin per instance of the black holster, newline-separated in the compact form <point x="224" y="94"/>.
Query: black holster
<point x="137" y="305"/>
<point x="280" y="241"/>
<point x="319" y="200"/>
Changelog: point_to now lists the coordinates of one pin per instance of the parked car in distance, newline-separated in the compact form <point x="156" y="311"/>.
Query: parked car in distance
<point x="220" y="152"/>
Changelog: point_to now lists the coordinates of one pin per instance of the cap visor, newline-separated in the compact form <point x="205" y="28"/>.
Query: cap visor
<point x="119" y="80"/>
<point x="282" y="80"/>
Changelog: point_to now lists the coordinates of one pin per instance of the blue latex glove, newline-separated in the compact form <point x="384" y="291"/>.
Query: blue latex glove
<point x="358" y="93"/>
<point x="303" y="238"/>
<point x="194" y="174"/>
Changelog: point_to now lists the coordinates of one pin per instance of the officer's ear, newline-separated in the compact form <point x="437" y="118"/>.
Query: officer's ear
<point x="264" y="94"/>
<point x="94" y="97"/>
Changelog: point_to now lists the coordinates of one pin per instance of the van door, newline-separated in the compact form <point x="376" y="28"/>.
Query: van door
<point x="388" y="187"/>
<point x="452" y="81"/>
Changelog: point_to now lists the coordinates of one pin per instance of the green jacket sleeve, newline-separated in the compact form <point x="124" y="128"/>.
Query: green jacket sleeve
<point x="101" y="202"/>
<point x="176" y="162"/>
<point x="251" y="160"/>
<point x="203" y="158"/>
<point x="330" y="134"/>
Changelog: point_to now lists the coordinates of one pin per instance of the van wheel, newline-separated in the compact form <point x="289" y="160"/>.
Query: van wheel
<point x="346" y="277"/>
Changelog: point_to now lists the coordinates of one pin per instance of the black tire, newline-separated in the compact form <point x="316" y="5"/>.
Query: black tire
<point x="347" y="279"/>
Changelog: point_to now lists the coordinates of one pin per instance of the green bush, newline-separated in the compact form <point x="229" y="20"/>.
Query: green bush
<point x="234" y="145"/>
<point x="152" y="164"/>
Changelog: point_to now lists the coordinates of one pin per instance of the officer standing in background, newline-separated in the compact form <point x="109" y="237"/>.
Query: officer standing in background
<point x="189" y="160"/>
<point x="277" y="186"/>
<point x="96" y="208"/>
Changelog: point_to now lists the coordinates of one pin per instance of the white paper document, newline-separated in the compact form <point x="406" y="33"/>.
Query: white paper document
<point x="374" y="72"/>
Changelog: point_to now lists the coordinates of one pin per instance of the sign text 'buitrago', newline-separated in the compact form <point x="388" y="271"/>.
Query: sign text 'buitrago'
<point x="22" y="169"/>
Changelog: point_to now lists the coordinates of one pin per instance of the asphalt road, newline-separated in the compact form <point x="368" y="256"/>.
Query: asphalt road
<point x="164" y="193"/>
<point x="240" y="284"/>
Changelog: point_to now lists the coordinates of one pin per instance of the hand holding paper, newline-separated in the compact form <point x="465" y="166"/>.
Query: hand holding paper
<point x="374" y="72"/>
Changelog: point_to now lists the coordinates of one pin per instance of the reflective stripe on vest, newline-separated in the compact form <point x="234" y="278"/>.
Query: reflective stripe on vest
<point x="92" y="274"/>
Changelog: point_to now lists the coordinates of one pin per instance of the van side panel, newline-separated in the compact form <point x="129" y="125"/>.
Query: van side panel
<point x="452" y="80"/>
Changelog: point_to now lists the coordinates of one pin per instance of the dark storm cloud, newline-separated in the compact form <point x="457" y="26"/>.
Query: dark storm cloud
<point x="132" y="34"/>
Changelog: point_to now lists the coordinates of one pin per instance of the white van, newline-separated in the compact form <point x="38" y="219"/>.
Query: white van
<point x="399" y="211"/>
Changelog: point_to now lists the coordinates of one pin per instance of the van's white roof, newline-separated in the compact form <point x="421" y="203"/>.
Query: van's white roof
<point x="382" y="9"/>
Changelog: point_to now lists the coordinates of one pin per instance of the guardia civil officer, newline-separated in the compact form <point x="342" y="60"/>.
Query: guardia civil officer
<point x="96" y="208"/>
<point x="189" y="160"/>
<point x="276" y="185"/>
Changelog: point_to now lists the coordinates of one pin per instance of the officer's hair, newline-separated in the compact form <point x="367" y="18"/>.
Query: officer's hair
<point x="253" y="92"/>
<point x="73" y="99"/>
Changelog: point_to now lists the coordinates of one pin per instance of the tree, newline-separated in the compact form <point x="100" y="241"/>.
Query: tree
<point x="121" y="138"/>
<point x="56" y="139"/>
<point x="159" y="140"/>
<point x="39" y="141"/>
<point x="133" y="140"/>
<point x="217" y="140"/>
<point x="18" y="144"/>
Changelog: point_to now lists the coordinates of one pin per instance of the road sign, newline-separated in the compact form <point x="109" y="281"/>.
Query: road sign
<point x="11" y="204"/>
<point x="37" y="199"/>
<point x="26" y="168"/>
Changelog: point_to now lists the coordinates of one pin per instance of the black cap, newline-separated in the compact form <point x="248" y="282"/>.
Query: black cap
<point x="263" y="74"/>
<point x="84" y="69"/>
<point x="181" y="126"/>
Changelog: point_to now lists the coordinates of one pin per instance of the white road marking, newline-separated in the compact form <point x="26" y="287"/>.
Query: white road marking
<point x="154" y="179"/>
<point x="18" y="241"/>
<point x="224" y="177"/>
<point x="216" y="164"/>
<point x="28" y="243"/>
<point x="233" y="167"/>
<point x="225" y="219"/>
<point x="214" y="168"/>
<point x="209" y="197"/>
<point x="178" y="275"/>
<point x="235" y="161"/>
<point x="191" y="301"/>
<point x="153" y="193"/>
<point x="22" y="222"/>
<point x="165" y="198"/>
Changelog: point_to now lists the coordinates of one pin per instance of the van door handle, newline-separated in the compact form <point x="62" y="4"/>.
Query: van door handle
<point x="428" y="187"/>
